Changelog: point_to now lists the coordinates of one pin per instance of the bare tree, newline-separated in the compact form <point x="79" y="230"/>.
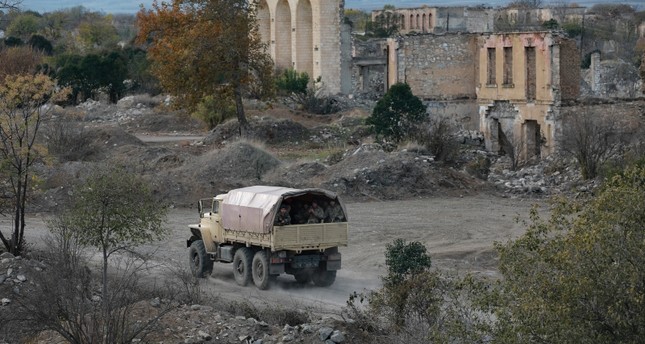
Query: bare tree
<point x="10" y="4"/>
<point x="592" y="140"/>
<point x="22" y="108"/>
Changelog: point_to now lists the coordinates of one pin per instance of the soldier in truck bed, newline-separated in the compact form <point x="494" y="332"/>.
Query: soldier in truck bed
<point x="316" y="213"/>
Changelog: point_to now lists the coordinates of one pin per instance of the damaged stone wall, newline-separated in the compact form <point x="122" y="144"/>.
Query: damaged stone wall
<point x="368" y="71"/>
<point x="610" y="79"/>
<point x="569" y="68"/>
<point x="439" y="67"/>
<point x="627" y="115"/>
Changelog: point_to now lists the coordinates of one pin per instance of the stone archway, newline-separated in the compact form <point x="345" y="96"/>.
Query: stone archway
<point x="264" y="21"/>
<point x="283" y="35"/>
<point x="304" y="38"/>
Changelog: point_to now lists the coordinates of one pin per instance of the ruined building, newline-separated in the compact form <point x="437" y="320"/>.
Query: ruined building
<point x="508" y="86"/>
<point x="426" y="19"/>
<point x="304" y="35"/>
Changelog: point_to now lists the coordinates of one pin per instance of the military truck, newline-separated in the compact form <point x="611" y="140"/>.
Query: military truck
<point x="239" y="227"/>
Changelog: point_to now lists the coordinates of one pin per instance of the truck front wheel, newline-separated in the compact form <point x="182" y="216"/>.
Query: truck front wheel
<point x="242" y="266"/>
<point x="200" y="264"/>
<point x="260" y="270"/>
<point x="324" y="278"/>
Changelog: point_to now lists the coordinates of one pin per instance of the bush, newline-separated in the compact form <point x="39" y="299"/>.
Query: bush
<point x="577" y="276"/>
<point x="404" y="260"/>
<point x="438" y="136"/>
<point x="291" y="81"/>
<point x="216" y="109"/>
<point x="69" y="141"/>
<point x="479" y="168"/>
<point x="396" y="114"/>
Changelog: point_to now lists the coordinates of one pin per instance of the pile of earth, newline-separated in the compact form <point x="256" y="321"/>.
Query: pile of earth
<point x="182" y="172"/>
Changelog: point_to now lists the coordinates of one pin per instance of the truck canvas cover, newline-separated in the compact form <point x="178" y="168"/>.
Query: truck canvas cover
<point x="253" y="209"/>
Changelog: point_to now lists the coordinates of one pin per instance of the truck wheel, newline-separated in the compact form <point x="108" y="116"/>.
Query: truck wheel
<point x="303" y="277"/>
<point x="260" y="270"/>
<point x="200" y="264"/>
<point x="324" y="278"/>
<point x="242" y="266"/>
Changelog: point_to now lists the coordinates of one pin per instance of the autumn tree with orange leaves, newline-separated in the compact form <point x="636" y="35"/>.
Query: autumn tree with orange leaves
<point x="202" y="48"/>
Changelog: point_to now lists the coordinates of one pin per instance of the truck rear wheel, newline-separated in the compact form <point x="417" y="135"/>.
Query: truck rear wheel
<point x="200" y="264"/>
<point x="242" y="266"/>
<point x="324" y="278"/>
<point x="260" y="270"/>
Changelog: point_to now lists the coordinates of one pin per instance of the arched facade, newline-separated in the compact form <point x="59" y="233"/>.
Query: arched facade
<point x="305" y="35"/>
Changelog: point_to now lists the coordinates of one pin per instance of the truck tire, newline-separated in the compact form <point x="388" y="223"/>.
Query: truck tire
<point x="260" y="270"/>
<point x="242" y="266"/>
<point x="324" y="278"/>
<point x="200" y="264"/>
<point x="303" y="276"/>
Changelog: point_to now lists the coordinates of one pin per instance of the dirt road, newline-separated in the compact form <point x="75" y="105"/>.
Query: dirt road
<point x="458" y="232"/>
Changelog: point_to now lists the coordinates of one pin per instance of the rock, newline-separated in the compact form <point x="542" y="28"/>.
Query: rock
<point x="195" y="307"/>
<point x="204" y="335"/>
<point x="156" y="303"/>
<point x="21" y="278"/>
<point x="259" y="341"/>
<point x="307" y="329"/>
<point x="337" y="337"/>
<point x="288" y="338"/>
<point x="243" y="338"/>
<point x="325" y="332"/>
<point x="96" y="298"/>
<point x="5" y="301"/>
<point x="125" y="103"/>
<point x="287" y="329"/>
<point x="6" y="255"/>
<point x="9" y="272"/>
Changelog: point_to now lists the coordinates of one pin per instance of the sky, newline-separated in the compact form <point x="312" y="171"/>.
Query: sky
<point x="132" y="6"/>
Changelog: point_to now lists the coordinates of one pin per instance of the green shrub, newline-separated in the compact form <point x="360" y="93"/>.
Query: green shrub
<point x="216" y="109"/>
<point x="396" y="114"/>
<point x="291" y="81"/>
<point x="405" y="259"/>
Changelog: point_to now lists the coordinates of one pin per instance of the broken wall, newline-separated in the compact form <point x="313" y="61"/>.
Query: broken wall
<point x="439" y="67"/>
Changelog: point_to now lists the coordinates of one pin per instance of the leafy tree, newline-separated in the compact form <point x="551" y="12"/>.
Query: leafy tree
<point x="396" y="113"/>
<point x="114" y="211"/>
<point x="13" y="41"/>
<point x="357" y="18"/>
<point x="24" y="26"/>
<point x="42" y="44"/>
<point x="98" y="32"/>
<point x="198" y="47"/>
<point x="384" y="25"/>
<point x="86" y="74"/>
<point x="22" y="100"/>
<point x="578" y="277"/>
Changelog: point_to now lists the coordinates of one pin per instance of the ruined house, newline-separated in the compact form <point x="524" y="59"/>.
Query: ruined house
<point x="508" y="86"/>
<point x="427" y="19"/>
<point x="522" y="80"/>
<point x="304" y="35"/>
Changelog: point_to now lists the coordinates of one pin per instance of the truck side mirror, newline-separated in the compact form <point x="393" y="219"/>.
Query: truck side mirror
<point x="200" y="208"/>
